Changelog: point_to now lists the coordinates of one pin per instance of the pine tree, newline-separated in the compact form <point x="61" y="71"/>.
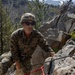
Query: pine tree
<point x="6" y="28"/>
<point x="42" y="11"/>
<point x="1" y="31"/>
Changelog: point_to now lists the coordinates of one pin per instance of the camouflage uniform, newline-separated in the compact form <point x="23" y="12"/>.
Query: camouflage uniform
<point x="22" y="48"/>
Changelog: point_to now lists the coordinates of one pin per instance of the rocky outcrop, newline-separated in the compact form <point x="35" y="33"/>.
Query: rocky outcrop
<point x="56" y="31"/>
<point x="62" y="23"/>
<point x="38" y="59"/>
<point x="63" y="63"/>
<point x="5" y="62"/>
<point x="55" y="38"/>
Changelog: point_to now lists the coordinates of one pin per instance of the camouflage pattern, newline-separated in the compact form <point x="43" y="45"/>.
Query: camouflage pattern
<point x="27" y="17"/>
<point x="22" y="48"/>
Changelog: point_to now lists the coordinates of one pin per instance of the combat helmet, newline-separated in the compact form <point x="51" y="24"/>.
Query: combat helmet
<point x="27" y="17"/>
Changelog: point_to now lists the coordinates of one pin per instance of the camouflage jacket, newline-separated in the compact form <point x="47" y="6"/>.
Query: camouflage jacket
<point x="26" y="46"/>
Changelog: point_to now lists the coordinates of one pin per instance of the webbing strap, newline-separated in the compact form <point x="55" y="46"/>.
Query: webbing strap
<point x="41" y="68"/>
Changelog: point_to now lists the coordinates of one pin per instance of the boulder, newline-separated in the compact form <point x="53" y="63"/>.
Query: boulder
<point x="38" y="59"/>
<point x="5" y="62"/>
<point x="63" y="63"/>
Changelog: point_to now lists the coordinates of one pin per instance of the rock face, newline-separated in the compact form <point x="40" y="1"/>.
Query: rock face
<point x="62" y="23"/>
<point x="63" y="63"/>
<point x="5" y="62"/>
<point x="56" y="30"/>
<point x="56" y="38"/>
<point x="38" y="59"/>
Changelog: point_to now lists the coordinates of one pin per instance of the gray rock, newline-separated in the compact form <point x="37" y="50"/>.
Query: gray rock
<point x="63" y="61"/>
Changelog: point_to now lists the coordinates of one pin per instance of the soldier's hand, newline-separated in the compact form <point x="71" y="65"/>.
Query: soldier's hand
<point x="52" y="54"/>
<point x="18" y="66"/>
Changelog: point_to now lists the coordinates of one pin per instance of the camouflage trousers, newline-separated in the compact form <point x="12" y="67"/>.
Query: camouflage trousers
<point x="26" y="66"/>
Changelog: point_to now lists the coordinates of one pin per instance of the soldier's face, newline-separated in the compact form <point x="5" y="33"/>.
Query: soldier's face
<point x="28" y="26"/>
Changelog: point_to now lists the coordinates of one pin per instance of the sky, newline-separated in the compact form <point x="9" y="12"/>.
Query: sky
<point x="58" y="0"/>
<point x="61" y="1"/>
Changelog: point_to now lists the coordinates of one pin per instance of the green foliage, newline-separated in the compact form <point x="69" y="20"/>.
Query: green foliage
<point x="6" y="29"/>
<point x="17" y="3"/>
<point x="43" y="12"/>
<point x="72" y="34"/>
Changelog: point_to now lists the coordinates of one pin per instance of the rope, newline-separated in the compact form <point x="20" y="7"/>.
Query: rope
<point x="42" y="69"/>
